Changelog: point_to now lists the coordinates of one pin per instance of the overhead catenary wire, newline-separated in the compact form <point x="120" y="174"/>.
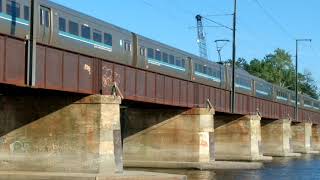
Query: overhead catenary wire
<point x="274" y="20"/>
<point x="218" y="23"/>
<point x="217" y="15"/>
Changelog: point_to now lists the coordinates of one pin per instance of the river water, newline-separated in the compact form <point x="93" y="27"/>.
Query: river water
<point x="306" y="167"/>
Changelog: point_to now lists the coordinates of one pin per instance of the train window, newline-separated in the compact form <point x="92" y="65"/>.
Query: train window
<point x="217" y="74"/>
<point x="150" y="53"/>
<point x="196" y="67"/>
<point x="108" y="39"/>
<point x="165" y="57"/>
<point x="41" y="17"/>
<point x="62" y="24"/>
<point x="97" y="35"/>
<point x="210" y="71"/>
<point x="85" y="31"/>
<point x="127" y="46"/>
<point x="46" y="18"/>
<point x="158" y="55"/>
<point x="178" y="62"/>
<point x="205" y="70"/>
<point x="26" y="11"/>
<point x="183" y="63"/>
<point x="13" y="8"/>
<point x="171" y="59"/>
<point x="142" y="51"/>
<point x="73" y="28"/>
<point x="201" y="68"/>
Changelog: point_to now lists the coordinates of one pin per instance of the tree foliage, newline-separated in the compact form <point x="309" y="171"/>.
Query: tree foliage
<point x="278" y="68"/>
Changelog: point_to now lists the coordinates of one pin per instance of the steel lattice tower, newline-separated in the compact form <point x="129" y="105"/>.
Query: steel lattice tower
<point x="201" y="38"/>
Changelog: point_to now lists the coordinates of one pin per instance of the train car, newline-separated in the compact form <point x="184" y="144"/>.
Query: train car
<point x="162" y="58"/>
<point x="15" y="18"/>
<point x="316" y="105"/>
<point x="307" y="102"/>
<point x="293" y="99"/>
<point x="243" y="81"/>
<point x="263" y="89"/>
<point x="208" y="72"/>
<point x="68" y="29"/>
<point x="281" y="95"/>
<point x="77" y="32"/>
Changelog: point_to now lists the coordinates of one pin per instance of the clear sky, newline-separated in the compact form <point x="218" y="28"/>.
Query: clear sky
<point x="172" y="22"/>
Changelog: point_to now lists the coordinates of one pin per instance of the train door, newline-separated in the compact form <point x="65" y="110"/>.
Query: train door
<point x="45" y="24"/>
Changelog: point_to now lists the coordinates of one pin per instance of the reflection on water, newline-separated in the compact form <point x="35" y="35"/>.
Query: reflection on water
<point x="306" y="167"/>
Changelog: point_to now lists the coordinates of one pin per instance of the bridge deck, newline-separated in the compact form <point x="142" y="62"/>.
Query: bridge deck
<point x="61" y="70"/>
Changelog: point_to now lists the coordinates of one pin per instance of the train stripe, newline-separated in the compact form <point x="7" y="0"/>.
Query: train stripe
<point x="306" y="105"/>
<point x="207" y="76"/>
<point x="17" y="20"/>
<point x="95" y="44"/>
<point x="293" y="101"/>
<point x="262" y="92"/>
<point x="243" y="87"/>
<point x="282" y="98"/>
<point x="160" y="63"/>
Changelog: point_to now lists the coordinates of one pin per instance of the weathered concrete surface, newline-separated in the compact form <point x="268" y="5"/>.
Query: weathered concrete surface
<point x="56" y="133"/>
<point x="315" y="145"/>
<point x="179" y="136"/>
<point x="127" y="175"/>
<point x="301" y="137"/>
<point x="276" y="137"/>
<point x="213" y="165"/>
<point x="238" y="138"/>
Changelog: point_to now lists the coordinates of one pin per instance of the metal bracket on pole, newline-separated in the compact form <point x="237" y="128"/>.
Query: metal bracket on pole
<point x="258" y="112"/>
<point x="116" y="90"/>
<point x="209" y="104"/>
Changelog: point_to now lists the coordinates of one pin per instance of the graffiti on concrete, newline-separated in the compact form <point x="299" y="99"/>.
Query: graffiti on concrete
<point x="20" y="147"/>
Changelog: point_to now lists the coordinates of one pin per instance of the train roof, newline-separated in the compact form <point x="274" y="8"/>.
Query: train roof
<point x="82" y="15"/>
<point x="102" y="22"/>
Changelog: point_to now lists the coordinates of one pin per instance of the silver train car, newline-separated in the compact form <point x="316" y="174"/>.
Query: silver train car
<point x="64" y="28"/>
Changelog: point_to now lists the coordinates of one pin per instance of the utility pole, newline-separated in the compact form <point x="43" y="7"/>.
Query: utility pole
<point x="32" y="45"/>
<point x="297" y="80"/>
<point x="201" y="38"/>
<point x="233" y="92"/>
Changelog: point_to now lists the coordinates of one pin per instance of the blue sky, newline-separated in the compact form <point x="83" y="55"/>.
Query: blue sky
<point x="172" y="22"/>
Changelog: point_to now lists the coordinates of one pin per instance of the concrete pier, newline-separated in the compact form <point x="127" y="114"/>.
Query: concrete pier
<point x="71" y="134"/>
<point x="169" y="136"/>
<point x="315" y="144"/>
<point x="238" y="138"/>
<point x="301" y="138"/>
<point x="276" y="135"/>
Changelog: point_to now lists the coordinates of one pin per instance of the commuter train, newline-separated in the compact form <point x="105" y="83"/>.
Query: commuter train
<point x="64" y="28"/>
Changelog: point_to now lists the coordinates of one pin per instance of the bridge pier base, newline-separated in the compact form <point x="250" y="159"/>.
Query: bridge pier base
<point x="168" y="138"/>
<point x="238" y="137"/>
<point x="60" y="133"/>
<point x="315" y="144"/>
<point x="301" y="138"/>
<point x="276" y="137"/>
